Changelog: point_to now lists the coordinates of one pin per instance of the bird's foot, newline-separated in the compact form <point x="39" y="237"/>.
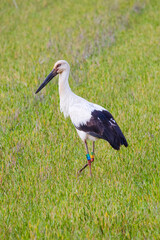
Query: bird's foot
<point x="82" y="168"/>
<point x="85" y="165"/>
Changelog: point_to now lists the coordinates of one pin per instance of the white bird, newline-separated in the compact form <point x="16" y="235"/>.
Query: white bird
<point x="91" y="121"/>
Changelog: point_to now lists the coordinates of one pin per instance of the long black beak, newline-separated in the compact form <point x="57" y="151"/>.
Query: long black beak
<point x="47" y="80"/>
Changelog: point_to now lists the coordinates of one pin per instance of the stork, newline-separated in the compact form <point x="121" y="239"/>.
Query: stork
<point x="91" y="121"/>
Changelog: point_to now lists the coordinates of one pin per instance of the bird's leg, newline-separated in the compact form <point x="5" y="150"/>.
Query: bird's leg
<point x="88" y="157"/>
<point x="83" y="168"/>
<point x="92" y="153"/>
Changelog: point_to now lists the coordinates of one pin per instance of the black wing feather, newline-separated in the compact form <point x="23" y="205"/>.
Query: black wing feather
<point x="102" y="125"/>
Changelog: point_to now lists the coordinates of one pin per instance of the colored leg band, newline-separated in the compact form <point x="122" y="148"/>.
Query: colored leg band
<point x="88" y="157"/>
<point x="92" y="155"/>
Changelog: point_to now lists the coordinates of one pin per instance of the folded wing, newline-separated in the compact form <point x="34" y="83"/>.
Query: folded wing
<point x="102" y="125"/>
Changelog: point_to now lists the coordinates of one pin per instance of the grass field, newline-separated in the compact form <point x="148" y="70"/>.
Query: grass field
<point x="113" y="48"/>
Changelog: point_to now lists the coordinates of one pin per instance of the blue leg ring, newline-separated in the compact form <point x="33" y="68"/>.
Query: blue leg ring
<point x="88" y="157"/>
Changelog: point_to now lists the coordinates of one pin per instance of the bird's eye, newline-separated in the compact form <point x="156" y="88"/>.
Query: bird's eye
<point x="58" y="65"/>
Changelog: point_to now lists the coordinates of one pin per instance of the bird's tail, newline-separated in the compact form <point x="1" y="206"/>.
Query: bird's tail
<point x="117" y="139"/>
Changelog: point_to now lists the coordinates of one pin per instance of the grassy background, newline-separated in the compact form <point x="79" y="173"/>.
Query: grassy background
<point x="113" y="48"/>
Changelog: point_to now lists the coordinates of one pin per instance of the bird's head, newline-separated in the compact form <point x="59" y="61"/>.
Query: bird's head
<point x="59" y="67"/>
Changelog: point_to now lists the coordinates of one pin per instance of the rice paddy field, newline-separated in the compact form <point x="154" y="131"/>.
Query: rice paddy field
<point x="113" y="48"/>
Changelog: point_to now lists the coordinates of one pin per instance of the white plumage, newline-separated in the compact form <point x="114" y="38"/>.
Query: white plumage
<point x="90" y="120"/>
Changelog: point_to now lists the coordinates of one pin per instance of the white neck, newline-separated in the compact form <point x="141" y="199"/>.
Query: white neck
<point x="65" y="92"/>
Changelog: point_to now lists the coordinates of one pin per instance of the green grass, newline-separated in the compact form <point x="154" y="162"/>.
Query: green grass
<point x="113" y="48"/>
